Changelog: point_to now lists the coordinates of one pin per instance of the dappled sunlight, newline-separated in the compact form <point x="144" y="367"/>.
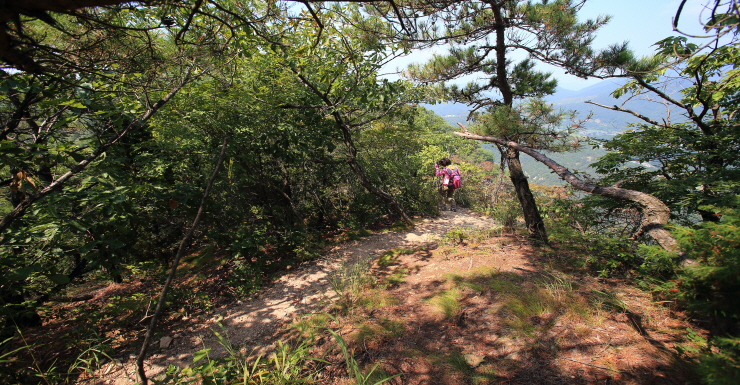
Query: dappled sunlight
<point x="507" y="316"/>
<point x="256" y="324"/>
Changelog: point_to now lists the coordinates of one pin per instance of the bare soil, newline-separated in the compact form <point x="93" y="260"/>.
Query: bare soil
<point x="484" y="334"/>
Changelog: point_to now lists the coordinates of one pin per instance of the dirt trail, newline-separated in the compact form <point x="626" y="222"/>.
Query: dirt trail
<point x="256" y="322"/>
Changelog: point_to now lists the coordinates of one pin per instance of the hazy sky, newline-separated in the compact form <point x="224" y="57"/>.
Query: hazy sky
<point x="640" y="22"/>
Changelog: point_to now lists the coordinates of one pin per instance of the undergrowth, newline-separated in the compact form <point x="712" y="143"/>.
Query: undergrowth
<point x="527" y="305"/>
<point x="708" y="288"/>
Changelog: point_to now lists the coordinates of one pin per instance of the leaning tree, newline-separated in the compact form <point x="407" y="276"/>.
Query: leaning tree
<point x="687" y="156"/>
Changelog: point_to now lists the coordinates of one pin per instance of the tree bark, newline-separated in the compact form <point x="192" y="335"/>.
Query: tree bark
<point x="532" y="218"/>
<point x="655" y="213"/>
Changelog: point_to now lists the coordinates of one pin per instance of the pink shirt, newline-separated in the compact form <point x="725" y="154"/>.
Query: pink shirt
<point x="442" y="171"/>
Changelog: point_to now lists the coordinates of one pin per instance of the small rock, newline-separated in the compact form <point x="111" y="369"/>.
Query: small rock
<point x="473" y="360"/>
<point x="165" y="342"/>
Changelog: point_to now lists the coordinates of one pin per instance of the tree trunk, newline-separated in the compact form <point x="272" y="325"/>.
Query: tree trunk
<point x="655" y="212"/>
<point x="532" y="217"/>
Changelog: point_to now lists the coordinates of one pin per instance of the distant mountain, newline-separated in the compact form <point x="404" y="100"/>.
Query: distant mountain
<point x="604" y="123"/>
<point x="449" y="111"/>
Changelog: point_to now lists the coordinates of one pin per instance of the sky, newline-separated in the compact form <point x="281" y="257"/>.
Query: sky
<point x="640" y="22"/>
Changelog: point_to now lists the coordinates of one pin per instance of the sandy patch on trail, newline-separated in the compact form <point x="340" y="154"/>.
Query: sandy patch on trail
<point x="255" y="323"/>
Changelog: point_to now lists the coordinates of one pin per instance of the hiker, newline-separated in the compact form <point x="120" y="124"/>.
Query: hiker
<point x="450" y="182"/>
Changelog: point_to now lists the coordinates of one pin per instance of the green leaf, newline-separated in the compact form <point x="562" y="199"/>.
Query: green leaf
<point x="74" y="104"/>
<point x="88" y="247"/>
<point x="200" y="354"/>
<point x="59" y="279"/>
<point x="23" y="273"/>
<point x="77" y="225"/>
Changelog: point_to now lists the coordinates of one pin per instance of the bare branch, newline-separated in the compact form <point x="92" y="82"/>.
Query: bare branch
<point x="617" y="108"/>
<point x="190" y="20"/>
<point x="180" y="253"/>
<point x="317" y="20"/>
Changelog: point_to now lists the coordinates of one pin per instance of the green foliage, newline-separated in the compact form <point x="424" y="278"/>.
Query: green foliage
<point x="400" y="154"/>
<point x="506" y="210"/>
<point x="688" y="161"/>
<point x="92" y="358"/>
<point x="712" y="286"/>
<point x="709" y="289"/>
<point x="720" y="363"/>
<point x="245" y="279"/>
<point x="599" y="239"/>
<point x="717" y="361"/>
<point x="287" y="365"/>
<point x="690" y="164"/>
<point x="348" y="281"/>
<point x="372" y="376"/>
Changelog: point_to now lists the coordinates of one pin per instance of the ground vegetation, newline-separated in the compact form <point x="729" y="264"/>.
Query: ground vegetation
<point x="213" y="147"/>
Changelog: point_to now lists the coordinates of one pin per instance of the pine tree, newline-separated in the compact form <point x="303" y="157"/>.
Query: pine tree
<point x="485" y="38"/>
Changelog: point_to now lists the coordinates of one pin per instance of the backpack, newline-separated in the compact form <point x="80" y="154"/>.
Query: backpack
<point x="455" y="179"/>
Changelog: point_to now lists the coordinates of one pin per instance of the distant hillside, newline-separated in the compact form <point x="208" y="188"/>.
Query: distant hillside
<point x="577" y="162"/>
<point x="603" y="124"/>
<point x="606" y="123"/>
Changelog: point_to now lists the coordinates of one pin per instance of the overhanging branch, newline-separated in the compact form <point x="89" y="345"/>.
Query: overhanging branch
<point x="620" y="109"/>
<point x="656" y="213"/>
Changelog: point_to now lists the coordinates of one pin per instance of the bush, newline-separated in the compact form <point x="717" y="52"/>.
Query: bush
<point x="245" y="279"/>
<point x="720" y="365"/>
<point x="712" y="287"/>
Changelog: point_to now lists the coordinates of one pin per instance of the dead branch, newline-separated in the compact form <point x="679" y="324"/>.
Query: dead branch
<point x="620" y="109"/>
<point x="173" y="269"/>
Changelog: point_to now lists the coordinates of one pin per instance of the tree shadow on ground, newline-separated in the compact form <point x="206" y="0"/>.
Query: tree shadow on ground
<point x="518" y="322"/>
